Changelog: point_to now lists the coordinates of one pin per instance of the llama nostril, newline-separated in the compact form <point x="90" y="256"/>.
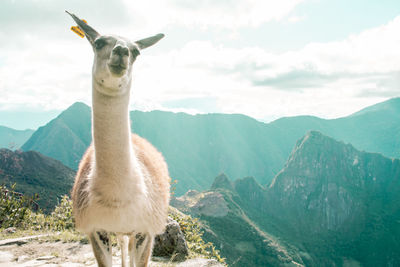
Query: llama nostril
<point x="121" y="50"/>
<point x="124" y="51"/>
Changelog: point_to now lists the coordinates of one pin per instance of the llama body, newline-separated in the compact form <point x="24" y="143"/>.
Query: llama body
<point x="136" y="208"/>
<point x="122" y="184"/>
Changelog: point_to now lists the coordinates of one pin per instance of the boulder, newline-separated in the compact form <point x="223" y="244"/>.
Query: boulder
<point x="171" y="243"/>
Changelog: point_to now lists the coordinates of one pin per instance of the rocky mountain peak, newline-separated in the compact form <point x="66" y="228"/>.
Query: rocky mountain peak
<point x="315" y="155"/>
<point x="325" y="178"/>
<point x="222" y="181"/>
<point x="312" y="140"/>
<point x="77" y="106"/>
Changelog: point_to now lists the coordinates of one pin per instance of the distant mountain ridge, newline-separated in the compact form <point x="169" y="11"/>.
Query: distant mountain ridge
<point x="64" y="138"/>
<point x="331" y="205"/>
<point x="13" y="139"/>
<point x="199" y="147"/>
<point x="389" y="106"/>
<point x="34" y="173"/>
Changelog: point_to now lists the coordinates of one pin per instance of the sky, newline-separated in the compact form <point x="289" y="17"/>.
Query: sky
<point x="265" y="59"/>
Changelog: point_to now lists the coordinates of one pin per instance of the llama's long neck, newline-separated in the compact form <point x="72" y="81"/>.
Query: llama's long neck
<point x="113" y="150"/>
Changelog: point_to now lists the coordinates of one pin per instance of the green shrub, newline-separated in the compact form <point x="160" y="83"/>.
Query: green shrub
<point x="16" y="211"/>
<point x="61" y="218"/>
<point x="14" y="207"/>
<point x="36" y="221"/>
<point x="194" y="236"/>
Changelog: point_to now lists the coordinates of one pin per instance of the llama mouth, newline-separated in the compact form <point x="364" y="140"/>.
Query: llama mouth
<point x="117" y="69"/>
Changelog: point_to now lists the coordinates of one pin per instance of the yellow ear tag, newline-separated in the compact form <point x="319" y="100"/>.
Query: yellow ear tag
<point x="78" y="30"/>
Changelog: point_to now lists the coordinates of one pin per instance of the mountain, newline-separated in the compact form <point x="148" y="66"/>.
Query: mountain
<point x="373" y="129"/>
<point x="391" y="106"/>
<point x="338" y="201"/>
<point x="66" y="137"/>
<point x="13" y="139"/>
<point x="331" y="205"/>
<point x="198" y="147"/>
<point x="34" y="173"/>
<point x="194" y="146"/>
<point x="223" y="182"/>
<point x="228" y="226"/>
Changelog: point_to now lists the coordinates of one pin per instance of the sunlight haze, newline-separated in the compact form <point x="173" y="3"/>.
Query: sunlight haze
<point x="264" y="59"/>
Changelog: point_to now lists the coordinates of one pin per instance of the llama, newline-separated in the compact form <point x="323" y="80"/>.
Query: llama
<point x="122" y="184"/>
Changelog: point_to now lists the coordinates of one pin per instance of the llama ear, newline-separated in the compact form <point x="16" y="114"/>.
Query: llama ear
<point x="91" y="34"/>
<point x="146" y="42"/>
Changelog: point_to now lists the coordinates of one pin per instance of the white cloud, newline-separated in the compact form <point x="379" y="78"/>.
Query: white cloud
<point x="324" y="79"/>
<point x="50" y="75"/>
<point x="294" y="19"/>
<point x="207" y="13"/>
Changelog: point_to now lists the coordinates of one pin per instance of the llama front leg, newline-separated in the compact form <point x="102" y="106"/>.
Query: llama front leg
<point x="140" y="246"/>
<point x="101" y="246"/>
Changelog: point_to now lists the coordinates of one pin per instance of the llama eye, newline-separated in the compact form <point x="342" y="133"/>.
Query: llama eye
<point x="98" y="44"/>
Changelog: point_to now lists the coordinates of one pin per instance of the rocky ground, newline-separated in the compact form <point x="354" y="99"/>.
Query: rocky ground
<point x="40" y="251"/>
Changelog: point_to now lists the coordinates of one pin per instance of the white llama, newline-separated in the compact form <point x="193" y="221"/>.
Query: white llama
<point x="122" y="184"/>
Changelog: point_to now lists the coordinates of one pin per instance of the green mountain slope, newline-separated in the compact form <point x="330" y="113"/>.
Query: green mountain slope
<point x="13" y="139"/>
<point x="373" y="129"/>
<point x="331" y="205"/>
<point x="227" y="225"/>
<point x="34" y="173"/>
<point x="194" y="146"/>
<point x="66" y="137"/>
<point x="199" y="147"/>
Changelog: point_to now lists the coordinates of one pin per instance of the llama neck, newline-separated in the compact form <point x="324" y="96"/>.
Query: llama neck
<point x="111" y="135"/>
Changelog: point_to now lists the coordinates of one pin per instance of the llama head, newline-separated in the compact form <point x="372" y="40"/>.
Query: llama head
<point x="113" y="58"/>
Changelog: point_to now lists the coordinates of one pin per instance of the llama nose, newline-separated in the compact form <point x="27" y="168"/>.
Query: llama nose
<point x="121" y="50"/>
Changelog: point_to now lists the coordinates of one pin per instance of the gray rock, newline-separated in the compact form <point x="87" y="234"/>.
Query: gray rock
<point x="46" y="258"/>
<point x="200" y="263"/>
<point x="171" y="243"/>
<point x="10" y="230"/>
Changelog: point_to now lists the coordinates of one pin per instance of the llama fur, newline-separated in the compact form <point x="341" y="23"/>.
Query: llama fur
<point x="122" y="184"/>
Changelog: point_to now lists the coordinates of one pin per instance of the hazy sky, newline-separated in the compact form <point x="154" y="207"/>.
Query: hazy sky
<point x="265" y="59"/>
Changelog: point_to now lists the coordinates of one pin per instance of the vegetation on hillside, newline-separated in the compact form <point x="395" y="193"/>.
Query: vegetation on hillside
<point x="194" y="236"/>
<point x="34" y="173"/>
<point x="17" y="211"/>
<point x="22" y="213"/>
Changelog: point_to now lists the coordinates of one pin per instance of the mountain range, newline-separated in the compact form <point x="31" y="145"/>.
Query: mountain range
<point x="198" y="147"/>
<point x="306" y="200"/>
<point x="13" y="139"/>
<point x="331" y="205"/>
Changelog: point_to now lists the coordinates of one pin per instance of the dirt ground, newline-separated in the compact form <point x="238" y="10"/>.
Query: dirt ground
<point x="28" y="252"/>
